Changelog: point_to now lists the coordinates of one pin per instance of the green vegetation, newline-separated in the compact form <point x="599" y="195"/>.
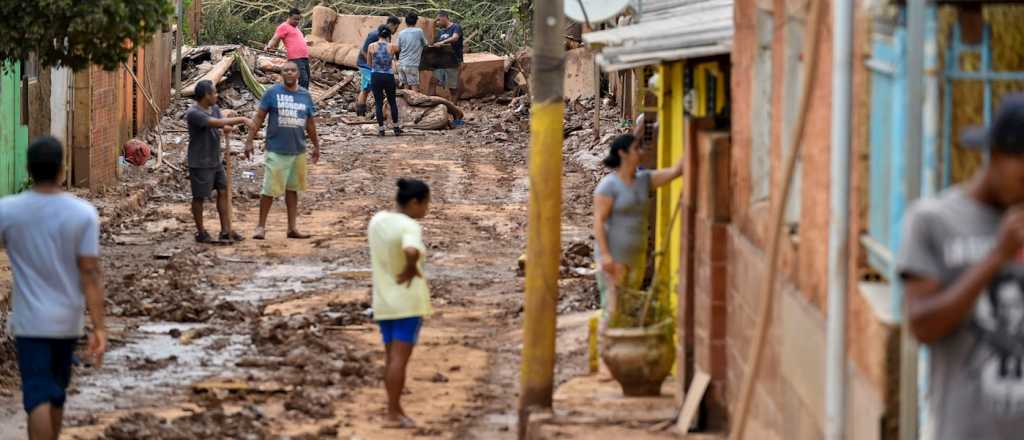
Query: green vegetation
<point x="77" y="33"/>
<point x="499" y="26"/>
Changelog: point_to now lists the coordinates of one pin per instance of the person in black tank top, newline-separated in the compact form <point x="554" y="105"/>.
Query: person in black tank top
<point x="382" y="83"/>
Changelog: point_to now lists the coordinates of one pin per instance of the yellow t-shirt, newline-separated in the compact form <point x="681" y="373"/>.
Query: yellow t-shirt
<point x="389" y="233"/>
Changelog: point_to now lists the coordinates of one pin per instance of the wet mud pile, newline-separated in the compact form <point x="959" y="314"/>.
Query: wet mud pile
<point x="247" y="424"/>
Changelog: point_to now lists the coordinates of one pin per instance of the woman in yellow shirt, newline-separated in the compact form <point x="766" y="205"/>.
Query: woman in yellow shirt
<point x="400" y="295"/>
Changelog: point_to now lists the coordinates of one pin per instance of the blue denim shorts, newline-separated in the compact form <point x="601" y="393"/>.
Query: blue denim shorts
<point x="405" y="329"/>
<point x="45" y="366"/>
<point x="365" y="74"/>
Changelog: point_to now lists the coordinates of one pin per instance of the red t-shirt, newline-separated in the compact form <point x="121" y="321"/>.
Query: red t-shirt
<point x="294" y="41"/>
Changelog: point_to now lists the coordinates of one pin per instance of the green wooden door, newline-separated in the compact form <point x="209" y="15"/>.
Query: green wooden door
<point x="13" y="134"/>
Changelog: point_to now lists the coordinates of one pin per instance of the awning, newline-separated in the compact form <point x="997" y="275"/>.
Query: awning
<point x="666" y="30"/>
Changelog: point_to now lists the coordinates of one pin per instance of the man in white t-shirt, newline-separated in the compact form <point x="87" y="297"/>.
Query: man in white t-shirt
<point x="53" y="241"/>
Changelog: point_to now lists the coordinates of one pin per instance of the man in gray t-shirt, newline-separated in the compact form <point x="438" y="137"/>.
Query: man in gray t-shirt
<point x="205" y="169"/>
<point x="411" y="42"/>
<point x="53" y="241"/>
<point x="962" y="266"/>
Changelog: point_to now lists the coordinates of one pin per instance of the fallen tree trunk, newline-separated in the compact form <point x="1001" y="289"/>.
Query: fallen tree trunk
<point x="216" y="75"/>
<point x="338" y="53"/>
<point x="416" y="99"/>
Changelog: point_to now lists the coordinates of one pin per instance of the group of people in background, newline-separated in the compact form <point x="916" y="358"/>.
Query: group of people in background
<point x="376" y="61"/>
<point x="377" y="64"/>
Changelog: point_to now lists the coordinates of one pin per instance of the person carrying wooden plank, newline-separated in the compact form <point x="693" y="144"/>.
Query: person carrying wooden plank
<point x="53" y="241"/>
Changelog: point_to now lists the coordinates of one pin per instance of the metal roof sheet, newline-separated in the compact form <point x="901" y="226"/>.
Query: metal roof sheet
<point x="666" y="30"/>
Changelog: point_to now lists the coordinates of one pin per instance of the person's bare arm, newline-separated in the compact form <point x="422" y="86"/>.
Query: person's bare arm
<point x="411" y="270"/>
<point x="602" y="210"/>
<point x="313" y="138"/>
<point x="227" y="122"/>
<point x="663" y="176"/>
<point x="257" y="123"/>
<point x="935" y="312"/>
<point x="272" y="44"/>
<point x="92" y="287"/>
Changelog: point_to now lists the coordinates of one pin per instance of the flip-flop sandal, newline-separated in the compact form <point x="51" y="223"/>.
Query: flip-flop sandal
<point x="402" y="423"/>
<point x="260" y="234"/>
<point x="298" y="235"/>
<point x="203" y="237"/>
<point x="233" y="236"/>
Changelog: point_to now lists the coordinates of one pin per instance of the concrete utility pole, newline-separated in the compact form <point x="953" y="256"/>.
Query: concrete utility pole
<point x="178" y="40"/>
<point x="543" y="247"/>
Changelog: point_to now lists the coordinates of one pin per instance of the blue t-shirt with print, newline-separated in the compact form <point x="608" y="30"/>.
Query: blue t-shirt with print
<point x="287" y="112"/>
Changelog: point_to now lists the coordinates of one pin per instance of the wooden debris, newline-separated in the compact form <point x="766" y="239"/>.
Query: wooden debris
<point x="692" y="402"/>
<point x="216" y="75"/>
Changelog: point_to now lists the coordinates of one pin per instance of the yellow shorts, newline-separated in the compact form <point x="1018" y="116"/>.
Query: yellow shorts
<point x="283" y="172"/>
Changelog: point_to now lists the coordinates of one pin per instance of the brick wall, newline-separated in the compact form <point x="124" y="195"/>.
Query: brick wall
<point x="110" y="109"/>
<point x="104" y="128"/>
<point x="730" y="262"/>
<point x="710" y="252"/>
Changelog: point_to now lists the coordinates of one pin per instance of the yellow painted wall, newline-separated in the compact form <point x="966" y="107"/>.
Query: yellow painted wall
<point x="671" y="129"/>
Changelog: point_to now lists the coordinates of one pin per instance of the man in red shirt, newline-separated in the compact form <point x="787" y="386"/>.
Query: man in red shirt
<point x="294" y="43"/>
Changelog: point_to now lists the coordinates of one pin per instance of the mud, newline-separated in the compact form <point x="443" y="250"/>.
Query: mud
<point x="274" y="339"/>
<point x="247" y="424"/>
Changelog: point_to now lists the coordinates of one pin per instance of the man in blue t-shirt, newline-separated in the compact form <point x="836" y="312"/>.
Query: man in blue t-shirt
<point x="362" y="61"/>
<point x="290" y="109"/>
<point x="451" y="35"/>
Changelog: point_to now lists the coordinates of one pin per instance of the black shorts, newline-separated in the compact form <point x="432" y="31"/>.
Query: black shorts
<point x="205" y="180"/>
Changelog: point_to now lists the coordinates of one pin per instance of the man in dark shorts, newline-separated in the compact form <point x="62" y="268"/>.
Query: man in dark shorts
<point x="205" y="169"/>
<point x="363" y="62"/>
<point x="962" y="266"/>
<point x="53" y="241"/>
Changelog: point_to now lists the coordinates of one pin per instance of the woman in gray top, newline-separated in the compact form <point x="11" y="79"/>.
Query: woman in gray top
<point x="621" y="203"/>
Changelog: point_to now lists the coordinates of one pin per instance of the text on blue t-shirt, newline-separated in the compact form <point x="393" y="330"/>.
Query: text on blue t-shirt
<point x="287" y="113"/>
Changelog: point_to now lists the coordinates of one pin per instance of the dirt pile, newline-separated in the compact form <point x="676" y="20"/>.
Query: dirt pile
<point x="302" y="353"/>
<point x="248" y="424"/>
<point x="168" y="291"/>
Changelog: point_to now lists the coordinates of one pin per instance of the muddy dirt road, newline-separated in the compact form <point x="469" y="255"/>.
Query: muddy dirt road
<point x="269" y="338"/>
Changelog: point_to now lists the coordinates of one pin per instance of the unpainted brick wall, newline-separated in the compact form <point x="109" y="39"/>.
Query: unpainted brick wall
<point x="105" y="127"/>
<point x="778" y="410"/>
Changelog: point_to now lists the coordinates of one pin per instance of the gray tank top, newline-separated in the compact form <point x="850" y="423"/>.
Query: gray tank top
<point x="626" y="227"/>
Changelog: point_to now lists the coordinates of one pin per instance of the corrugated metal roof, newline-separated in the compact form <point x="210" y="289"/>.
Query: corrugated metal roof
<point x="666" y="30"/>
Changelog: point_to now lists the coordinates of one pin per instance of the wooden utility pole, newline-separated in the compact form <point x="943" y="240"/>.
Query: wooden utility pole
<point x="179" y="37"/>
<point x="543" y="247"/>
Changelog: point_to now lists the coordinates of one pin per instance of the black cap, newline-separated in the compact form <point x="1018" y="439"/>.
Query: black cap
<point x="1005" y="134"/>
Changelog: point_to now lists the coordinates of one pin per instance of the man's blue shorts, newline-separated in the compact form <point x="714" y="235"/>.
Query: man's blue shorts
<point x="45" y="366"/>
<point x="365" y="74"/>
<point x="405" y="329"/>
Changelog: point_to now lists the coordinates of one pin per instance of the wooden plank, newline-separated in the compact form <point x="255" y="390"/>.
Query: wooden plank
<point x="692" y="402"/>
